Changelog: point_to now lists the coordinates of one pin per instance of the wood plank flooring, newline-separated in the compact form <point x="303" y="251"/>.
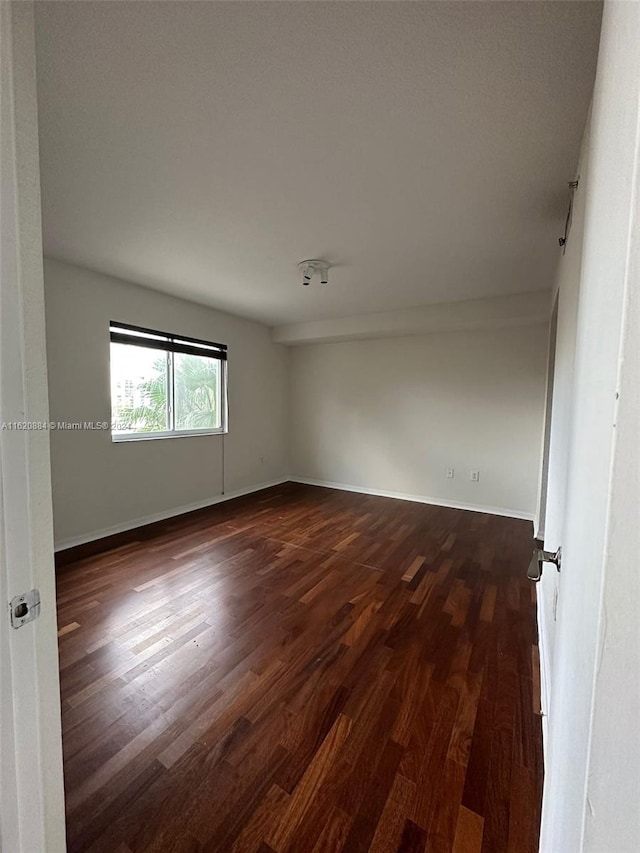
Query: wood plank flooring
<point x="304" y="671"/>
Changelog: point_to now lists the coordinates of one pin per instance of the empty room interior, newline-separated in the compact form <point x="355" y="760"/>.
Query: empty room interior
<point x="319" y="451"/>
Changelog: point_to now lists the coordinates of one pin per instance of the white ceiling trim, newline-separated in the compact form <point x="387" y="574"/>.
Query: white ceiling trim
<point x="523" y="309"/>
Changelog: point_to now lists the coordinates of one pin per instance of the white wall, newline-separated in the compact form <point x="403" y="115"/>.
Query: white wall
<point x="592" y="778"/>
<point x="393" y="414"/>
<point x="100" y="486"/>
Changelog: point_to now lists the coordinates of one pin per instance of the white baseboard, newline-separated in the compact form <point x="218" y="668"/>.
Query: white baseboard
<point x="162" y="516"/>
<point x="545" y="671"/>
<point x="422" y="499"/>
<point x="175" y="511"/>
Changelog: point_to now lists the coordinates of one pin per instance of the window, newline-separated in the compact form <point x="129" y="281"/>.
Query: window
<point x="165" y="385"/>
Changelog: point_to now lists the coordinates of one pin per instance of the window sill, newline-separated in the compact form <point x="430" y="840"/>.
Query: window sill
<point x="153" y="436"/>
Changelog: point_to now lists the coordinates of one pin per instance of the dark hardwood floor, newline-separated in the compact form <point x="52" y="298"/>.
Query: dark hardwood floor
<point x="304" y="671"/>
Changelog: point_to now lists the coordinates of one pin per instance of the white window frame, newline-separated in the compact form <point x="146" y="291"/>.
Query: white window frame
<point x="206" y="346"/>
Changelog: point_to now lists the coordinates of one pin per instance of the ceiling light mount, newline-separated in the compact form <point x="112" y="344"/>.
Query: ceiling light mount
<point x="312" y="266"/>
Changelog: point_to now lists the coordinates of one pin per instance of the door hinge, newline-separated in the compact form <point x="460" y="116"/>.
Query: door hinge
<point x="25" y="608"/>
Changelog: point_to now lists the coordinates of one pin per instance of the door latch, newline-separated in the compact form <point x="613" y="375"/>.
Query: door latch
<point x="539" y="557"/>
<point x="25" y="608"/>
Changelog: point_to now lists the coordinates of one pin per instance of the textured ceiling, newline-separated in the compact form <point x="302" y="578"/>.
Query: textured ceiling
<point x="205" y="148"/>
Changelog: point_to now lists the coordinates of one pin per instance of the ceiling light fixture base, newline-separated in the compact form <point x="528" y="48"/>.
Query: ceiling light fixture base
<point x="312" y="266"/>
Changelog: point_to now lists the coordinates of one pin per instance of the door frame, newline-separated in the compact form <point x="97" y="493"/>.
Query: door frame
<point x="32" y="802"/>
<point x="548" y="416"/>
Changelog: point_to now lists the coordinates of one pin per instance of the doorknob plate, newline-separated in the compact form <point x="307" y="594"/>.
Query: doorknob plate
<point x="25" y="608"/>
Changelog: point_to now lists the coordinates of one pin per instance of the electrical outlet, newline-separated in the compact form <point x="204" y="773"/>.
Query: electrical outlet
<point x="450" y="473"/>
<point x="474" y="475"/>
